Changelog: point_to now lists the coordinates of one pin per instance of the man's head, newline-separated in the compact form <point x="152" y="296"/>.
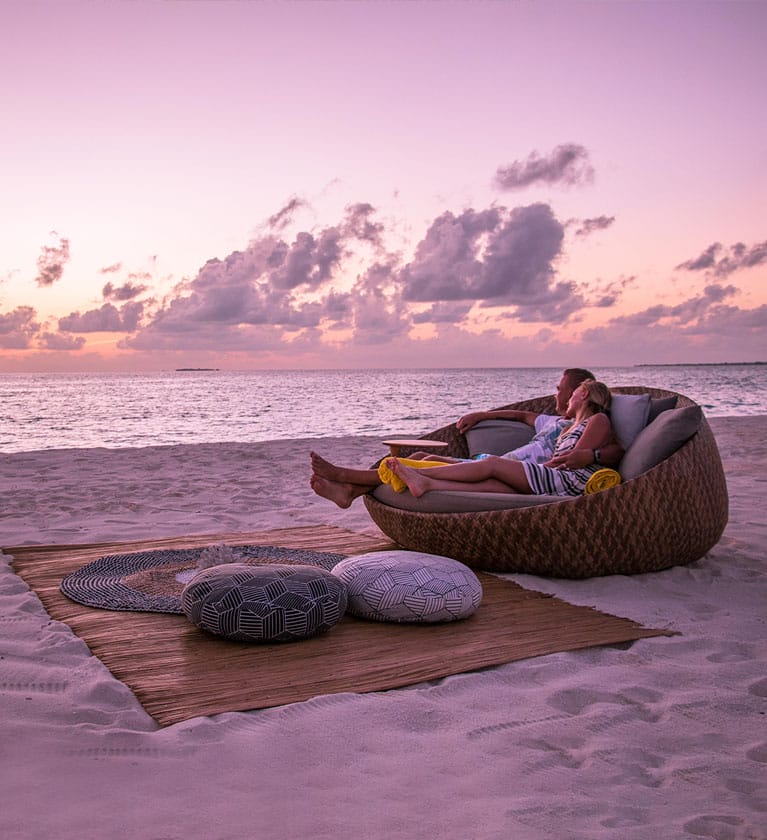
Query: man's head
<point x="571" y="379"/>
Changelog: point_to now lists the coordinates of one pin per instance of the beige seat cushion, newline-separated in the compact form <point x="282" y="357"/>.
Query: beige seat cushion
<point x="454" y="501"/>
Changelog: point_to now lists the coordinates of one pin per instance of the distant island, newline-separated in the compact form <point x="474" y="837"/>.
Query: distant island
<point x="697" y="364"/>
<point x="194" y="369"/>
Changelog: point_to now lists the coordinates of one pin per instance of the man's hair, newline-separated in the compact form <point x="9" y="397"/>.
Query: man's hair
<point x="578" y="375"/>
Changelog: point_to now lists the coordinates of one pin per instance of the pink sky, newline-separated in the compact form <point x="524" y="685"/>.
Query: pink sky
<point x="256" y="185"/>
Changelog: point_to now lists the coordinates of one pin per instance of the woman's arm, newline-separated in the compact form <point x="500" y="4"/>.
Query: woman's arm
<point x="597" y="434"/>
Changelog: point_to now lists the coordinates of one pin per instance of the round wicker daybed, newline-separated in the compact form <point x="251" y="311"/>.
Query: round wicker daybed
<point x="668" y="516"/>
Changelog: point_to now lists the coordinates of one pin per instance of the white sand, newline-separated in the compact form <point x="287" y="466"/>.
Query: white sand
<point x="661" y="739"/>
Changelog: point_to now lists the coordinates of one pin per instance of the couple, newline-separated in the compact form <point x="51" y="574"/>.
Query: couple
<point x="559" y="460"/>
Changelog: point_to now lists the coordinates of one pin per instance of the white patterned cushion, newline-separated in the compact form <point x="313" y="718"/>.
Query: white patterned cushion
<point x="408" y="586"/>
<point x="269" y="603"/>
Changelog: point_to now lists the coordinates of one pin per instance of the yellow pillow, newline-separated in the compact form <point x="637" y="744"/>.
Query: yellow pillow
<point x="398" y="485"/>
<point x="602" y="480"/>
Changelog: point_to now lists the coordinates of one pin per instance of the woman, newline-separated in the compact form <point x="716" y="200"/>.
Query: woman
<point x="588" y="408"/>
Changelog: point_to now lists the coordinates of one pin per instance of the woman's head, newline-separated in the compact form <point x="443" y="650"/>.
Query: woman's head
<point x="595" y="395"/>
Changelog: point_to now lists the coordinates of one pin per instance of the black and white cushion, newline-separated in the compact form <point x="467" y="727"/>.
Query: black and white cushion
<point x="269" y="603"/>
<point x="409" y="586"/>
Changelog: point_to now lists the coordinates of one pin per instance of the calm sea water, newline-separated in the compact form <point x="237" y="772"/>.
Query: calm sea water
<point x="54" y="411"/>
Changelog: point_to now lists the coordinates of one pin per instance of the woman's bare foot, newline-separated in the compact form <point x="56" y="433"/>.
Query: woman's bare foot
<point x="341" y="494"/>
<point x="417" y="481"/>
<point x="324" y="468"/>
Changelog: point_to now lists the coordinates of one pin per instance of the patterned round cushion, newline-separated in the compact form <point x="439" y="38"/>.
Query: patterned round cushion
<point x="270" y="603"/>
<point x="405" y="586"/>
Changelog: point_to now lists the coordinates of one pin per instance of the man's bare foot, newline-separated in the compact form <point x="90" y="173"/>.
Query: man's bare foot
<point x="417" y="481"/>
<point x="341" y="494"/>
<point x="324" y="468"/>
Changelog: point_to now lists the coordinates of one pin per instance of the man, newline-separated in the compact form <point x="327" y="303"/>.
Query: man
<point x="342" y="485"/>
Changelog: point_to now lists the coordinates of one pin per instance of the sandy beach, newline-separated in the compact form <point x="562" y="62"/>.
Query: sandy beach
<point x="660" y="739"/>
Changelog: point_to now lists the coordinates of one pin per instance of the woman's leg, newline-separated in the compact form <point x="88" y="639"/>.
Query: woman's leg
<point x="490" y="475"/>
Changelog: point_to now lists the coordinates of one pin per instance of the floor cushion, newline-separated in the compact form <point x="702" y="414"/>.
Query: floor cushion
<point x="409" y="586"/>
<point x="269" y="603"/>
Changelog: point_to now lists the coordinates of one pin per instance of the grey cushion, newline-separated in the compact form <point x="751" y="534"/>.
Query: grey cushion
<point x="270" y="603"/>
<point x="659" y="405"/>
<point x="661" y="438"/>
<point x="409" y="586"/>
<point x="456" y="501"/>
<point x="628" y="414"/>
<point x="496" y="437"/>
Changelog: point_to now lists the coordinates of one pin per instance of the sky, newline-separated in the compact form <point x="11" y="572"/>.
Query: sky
<point x="284" y="185"/>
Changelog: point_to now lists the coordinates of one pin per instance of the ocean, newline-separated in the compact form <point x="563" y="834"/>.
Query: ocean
<point x="119" y="410"/>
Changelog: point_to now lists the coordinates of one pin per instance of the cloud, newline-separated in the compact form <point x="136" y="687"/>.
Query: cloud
<point x="378" y="315"/>
<point x="588" y="226"/>
<point x="685" y="313"/>
<point x="567" y="164"/>
<point x="358" y="224"/>
<point x="17" y="328"/>
<point x="127" y="291"/>
<point x="309" y="261"/>
<point x="495" y="257"/>
<point x="443" y="313"/>
<point x="111" y="269"/>
<point x="51" y="262"/>
<point x="284" y="216"/>
<point x="739" y="256"/>
<point x="446" y="264"/>
<point x="107" y="318"/>
<point x="60" y="341"/>
<point x="271" y="283"/>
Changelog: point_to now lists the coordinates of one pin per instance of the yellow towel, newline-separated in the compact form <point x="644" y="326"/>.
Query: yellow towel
<point x="602" y="480"/>
<point x="398" y="485"/>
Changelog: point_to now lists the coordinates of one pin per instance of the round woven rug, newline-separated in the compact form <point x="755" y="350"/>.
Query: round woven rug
<point x="152" y="581"/>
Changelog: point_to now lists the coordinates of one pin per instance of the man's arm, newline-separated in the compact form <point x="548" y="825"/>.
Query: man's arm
<point x="468" y="420"/>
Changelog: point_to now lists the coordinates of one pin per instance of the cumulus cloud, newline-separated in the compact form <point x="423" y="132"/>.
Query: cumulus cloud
<point x="684" y="313"/>
<point x="127" y="291"/>
<point x="108" y="318"/>
<point x="495" y="257"/>
<point x="309" y="261"/>
<point x="378" y="315"/>
<point x="585" y="227"/>
<point x="51" y="262"/>
<point x="17" y="328"/>
<point x="284" y="216"/>
<point x="275" y="283"/>
<point x="60" y="341"/>
<point x="723" y="262"/>
<point x="111" y="269"/>
<point x="671" y="334"/>
<point x="446" y="264"/>
<point x="567" y="164"/>
<point x="443" y="313"/>
<point x="360" y="225"/>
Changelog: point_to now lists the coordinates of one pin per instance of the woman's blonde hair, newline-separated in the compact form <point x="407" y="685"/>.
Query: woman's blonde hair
<point x="599" y="396"/>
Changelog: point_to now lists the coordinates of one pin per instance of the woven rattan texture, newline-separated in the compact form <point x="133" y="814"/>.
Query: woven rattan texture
<point x="670" y="516"/>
